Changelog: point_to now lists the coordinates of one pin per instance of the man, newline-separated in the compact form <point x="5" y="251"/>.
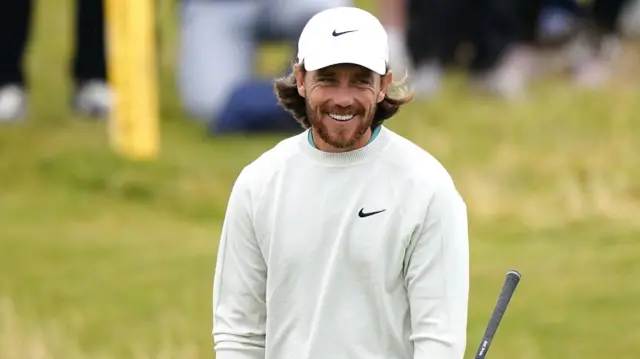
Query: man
<point x="346" y="241"/>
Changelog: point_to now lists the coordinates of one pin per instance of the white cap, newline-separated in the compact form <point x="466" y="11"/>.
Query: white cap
<point x="344" y="35"/>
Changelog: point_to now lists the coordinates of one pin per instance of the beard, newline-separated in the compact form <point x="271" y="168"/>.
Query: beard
<point x="337" y="136"/>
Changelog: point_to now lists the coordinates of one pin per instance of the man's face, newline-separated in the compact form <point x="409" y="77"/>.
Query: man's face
<point x="341" y="102"/>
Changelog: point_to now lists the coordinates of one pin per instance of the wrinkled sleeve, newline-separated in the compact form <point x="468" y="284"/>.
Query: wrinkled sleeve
<point x="239" y="304"/>
<point x="437" y="277"/>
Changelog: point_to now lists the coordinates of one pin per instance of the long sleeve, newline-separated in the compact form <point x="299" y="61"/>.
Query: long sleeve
<point x="239" y="304"/>
<point x="437" y="278"/>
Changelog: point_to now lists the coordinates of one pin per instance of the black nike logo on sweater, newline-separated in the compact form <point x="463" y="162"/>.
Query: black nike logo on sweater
<point x="363" y="214"/>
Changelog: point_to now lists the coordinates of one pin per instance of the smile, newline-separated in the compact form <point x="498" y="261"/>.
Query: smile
<point x="341" y="118"/>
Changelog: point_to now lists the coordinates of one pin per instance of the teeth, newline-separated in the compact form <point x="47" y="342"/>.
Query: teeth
<point x="341" y="117"/>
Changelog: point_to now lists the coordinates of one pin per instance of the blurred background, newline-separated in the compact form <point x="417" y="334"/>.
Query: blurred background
<point x="533" y="106"/>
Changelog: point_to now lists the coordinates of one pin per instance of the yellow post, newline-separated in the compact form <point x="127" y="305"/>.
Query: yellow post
<point x="134" y="122"/>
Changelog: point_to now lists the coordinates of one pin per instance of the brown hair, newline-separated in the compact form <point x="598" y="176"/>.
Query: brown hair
<point x="288" y="98"/>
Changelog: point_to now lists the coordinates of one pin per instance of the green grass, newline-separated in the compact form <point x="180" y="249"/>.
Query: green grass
<point x="101" y="257"/>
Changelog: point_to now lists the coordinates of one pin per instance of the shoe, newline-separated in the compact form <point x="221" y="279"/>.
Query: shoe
<point x="509" y="79"/>
<point x="427" y="80"/>
<point x="13" y="103"/>
<point x="93" y="99"/>
<point x="590" y="61"/>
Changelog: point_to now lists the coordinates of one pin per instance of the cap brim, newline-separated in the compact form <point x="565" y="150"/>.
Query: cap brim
<point x="316" y="62"/>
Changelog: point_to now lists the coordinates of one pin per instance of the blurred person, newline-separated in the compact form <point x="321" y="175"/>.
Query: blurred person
<point x="560" y="19"/>
<point x="591" y="31"/>
<point x="500" y="32"/>
<point x="219" y="40"/>
<point x="348" y="240"/>
<point x="91" y="93"/>
<point x="503" y="36"/>
<point x="423" y="34"/>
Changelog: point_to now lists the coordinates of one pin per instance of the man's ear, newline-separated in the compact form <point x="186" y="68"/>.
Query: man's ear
<point x="384" y="85"/>
<point x="298" y="72"/>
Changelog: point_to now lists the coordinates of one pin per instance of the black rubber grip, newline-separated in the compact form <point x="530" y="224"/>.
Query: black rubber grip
<point x="508" y="288"/>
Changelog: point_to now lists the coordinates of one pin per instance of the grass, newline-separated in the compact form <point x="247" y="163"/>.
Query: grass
<point x="104" y="258"/>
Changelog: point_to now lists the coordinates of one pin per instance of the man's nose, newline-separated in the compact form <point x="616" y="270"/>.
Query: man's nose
<point x="343" y="96"/>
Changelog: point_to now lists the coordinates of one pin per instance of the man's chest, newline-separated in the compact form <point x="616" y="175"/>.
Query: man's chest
<point x="365" y="226"/>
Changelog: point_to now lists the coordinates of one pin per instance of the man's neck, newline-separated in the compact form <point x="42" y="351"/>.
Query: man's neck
<point x="318" y="143"/>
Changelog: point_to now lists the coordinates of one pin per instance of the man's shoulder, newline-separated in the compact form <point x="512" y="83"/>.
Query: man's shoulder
<point x="415" y="160"/>
<point x="272" y="160"/>
<point x="421" y="170"/>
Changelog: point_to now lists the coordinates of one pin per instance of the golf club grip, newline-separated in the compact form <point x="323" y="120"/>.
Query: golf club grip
<point x="508" y="288"/>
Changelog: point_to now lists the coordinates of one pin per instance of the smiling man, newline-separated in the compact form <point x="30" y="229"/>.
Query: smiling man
<point x="347" y="241"/>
